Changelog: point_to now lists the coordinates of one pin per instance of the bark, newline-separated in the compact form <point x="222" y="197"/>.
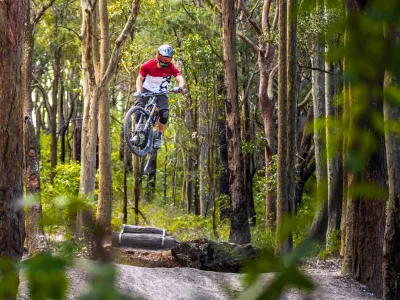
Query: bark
<point x="334" y="170"/>
<point x="305" y="162"/>
<point x="136" y="189"/>
<point x="12" y="20"/>
<point x="77" y="137"/>
<point x="391" y="248"/>
<point x="189" y="163"/>
<point x="224" y="172"/>
<point x="203" y="176"/>
<point x="54" y="108"/>
<point x="320" y="222"/>
<point x="62" y="124"/>
<point x="240" y="231"/>
<point x="34" y="232"/>
<point x="283" y="244"/>
<point x="246" y="136"/>
<point x="92" y="91"/>
<point x="344" y="118"/>
<point x="152" y="179"/>
<point x="265" y="52"/>
<point x="365" y="211"/>
<point x="292" y="101"/>
<point x="104" y="205"/>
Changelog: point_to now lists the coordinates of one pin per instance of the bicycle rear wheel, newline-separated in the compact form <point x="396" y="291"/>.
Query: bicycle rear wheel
<point x="137" y="138"/>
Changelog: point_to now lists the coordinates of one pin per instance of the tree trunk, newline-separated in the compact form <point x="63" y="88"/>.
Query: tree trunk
<point x="12" y="20"/>
<point x="224" y="173"/>
<point x="62" y="124"/>
<point x="292" y="102"/>
<point x="320" y="222"/>
<point x="282" y="244"/>
<point x="345" y="176"/>
<point x="89" y="123"/>
<point x="247" y="161"/>
<point x="335" y="192"/>
<point x="365" y="209"/>
<point x="240" y="231"/>
<point x="77" y="136"/>
<point x="137" y="184"/>
<point x="92" y="90"/>
<point x="54" y="108"/>
<point x="203" y="176"/>
<point x="391" y="248"/>
<point x="104" y="205"/>
<point x="31" y="160"/>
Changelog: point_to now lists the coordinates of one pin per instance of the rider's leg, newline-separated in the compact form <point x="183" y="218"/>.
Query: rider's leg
<point x="162" y="124"/>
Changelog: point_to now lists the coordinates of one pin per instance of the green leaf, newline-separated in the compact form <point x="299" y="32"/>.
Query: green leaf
<point x="46" y="276"/>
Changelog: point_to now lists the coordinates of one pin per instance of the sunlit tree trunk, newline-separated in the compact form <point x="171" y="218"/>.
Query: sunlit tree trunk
<point x="240" y="231"/>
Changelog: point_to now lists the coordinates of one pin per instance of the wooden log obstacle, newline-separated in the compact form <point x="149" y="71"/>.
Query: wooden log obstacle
<point x="143" y="237"/>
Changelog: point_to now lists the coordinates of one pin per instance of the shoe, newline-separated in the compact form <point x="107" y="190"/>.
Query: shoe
<point x="157" y="144"/>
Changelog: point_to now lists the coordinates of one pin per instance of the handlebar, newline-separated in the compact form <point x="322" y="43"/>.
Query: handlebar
<point x="152" y="94"/>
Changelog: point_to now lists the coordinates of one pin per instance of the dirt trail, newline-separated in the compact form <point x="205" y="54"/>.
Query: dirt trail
<point x="186" y="283"/>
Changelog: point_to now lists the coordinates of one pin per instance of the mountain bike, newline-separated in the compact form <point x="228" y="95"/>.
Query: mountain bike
<point x="140" y="127"/>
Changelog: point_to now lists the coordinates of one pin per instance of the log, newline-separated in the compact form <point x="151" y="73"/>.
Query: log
<point x="143" y="241"/>
<point x="143" y="229"/>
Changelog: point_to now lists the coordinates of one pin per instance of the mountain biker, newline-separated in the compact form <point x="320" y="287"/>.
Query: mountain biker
<point x="154" y="76"/>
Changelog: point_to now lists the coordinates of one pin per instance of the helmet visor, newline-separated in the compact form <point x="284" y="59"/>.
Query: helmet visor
<point x="165" y="60"/>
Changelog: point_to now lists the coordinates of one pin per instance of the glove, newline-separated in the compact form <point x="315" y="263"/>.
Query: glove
<point x="137" y="94"/>
<point x="177" y="89"/>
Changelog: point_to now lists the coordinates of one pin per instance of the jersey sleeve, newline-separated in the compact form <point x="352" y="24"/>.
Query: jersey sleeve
<point x="174" y="71"/>
<point x="144" y="69"/>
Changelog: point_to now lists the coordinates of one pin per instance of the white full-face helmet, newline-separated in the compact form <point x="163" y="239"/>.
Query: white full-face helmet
<point x="164" y="55"/>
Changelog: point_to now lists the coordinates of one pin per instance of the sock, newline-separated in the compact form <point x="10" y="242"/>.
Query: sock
<point x="159" y="135"/>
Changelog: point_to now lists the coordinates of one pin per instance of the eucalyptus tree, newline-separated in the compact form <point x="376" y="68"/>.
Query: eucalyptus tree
<point x="240" y="231"/>
<point x="265" y="51"/>
<point x="282" y="244"/>
<point x="93" y="86"/>
<point x="291" y="57"/>
<point x="12" y="19"/>
<point x="31" y="159"/>
<point x="367" y="174"/>
<point x="320" y="222"/>
<point x="333" y="149"/>
<point x="391" y="248"/>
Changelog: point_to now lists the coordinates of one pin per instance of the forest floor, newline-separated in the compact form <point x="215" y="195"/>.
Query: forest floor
<point x="186" y="283"/>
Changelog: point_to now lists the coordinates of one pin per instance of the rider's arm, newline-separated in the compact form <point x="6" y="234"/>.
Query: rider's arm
<point x="181" y="82"/>
<point x="139" y="83"/>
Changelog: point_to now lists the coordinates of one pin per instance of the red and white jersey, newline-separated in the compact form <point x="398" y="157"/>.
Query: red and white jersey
<point x="157" y="79"/>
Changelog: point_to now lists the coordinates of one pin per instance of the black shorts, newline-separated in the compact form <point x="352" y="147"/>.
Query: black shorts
<point x="162" y="101"/>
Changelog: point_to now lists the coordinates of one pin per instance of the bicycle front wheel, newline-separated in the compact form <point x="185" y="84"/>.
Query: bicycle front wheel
<point x="137" y="137"/>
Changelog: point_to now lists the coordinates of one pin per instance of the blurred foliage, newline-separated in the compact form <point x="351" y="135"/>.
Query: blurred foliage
<point x="194" y="31"/>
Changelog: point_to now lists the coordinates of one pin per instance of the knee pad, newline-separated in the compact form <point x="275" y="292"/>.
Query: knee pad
<point x="163" y="115"/>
